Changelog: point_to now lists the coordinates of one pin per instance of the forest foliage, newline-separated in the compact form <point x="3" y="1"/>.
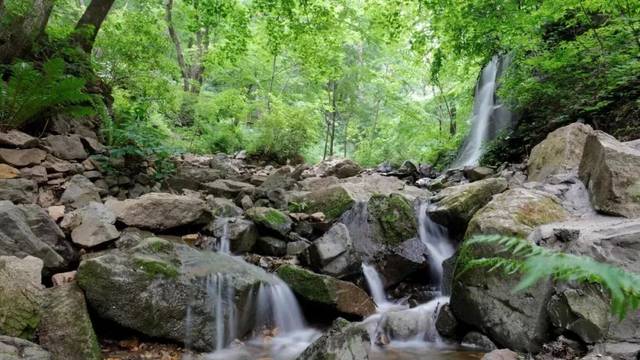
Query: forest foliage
<point x="373" y="80"/>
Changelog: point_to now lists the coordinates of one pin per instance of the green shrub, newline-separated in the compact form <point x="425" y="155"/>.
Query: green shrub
<point x="30" y="92"/>
<point x="285" y="133"/>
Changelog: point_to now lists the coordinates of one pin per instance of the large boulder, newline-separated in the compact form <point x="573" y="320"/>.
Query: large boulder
<point x="241" y="233"/>
<point x="160" y="211"/>
<point x="326" y="291"/>
<point x="454" y="206"/>
<point x="22" y="157"/>
<point x="65" y="327"/>
<point x="20" y="296"/>
<point x="29" y="230"/>
<point x="343" y="341"/>
<point x="153" y="285"/>
<point x="611" y="171"/>
<point x="270" y="219"/>
<point x="188" y="176"/>
<point x="68" y="147"/>
<point x="80" y="191"/>
<point x="583" y="311"/>
<point x="19" y="191"/>
<point x="516" y="212"/>
<point x="12" y="348"/>
<point x="332" y="201"/>
<point x="332" y="253"/>
<point x="92" y="225"/>
<point x="560" y="152"/>
<point x="484" y="299"/>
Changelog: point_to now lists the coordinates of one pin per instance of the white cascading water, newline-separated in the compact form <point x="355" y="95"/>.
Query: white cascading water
<point x="436" y="240"/>
<point x="489" y="115"/>
<point x="276" y="308"/>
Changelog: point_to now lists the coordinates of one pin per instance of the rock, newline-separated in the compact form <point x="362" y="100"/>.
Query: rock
<point x="297" y="247"/>
<point x="583" y="312"/>
<point x="561" y="152"/>
<point x="267" y="245"/>
<point x="192" y="177"/>
<point x="56" y="212"/>
<point x="270" y="219"/>
<point x="160" y="211"/>
<point x="148" y="283"/>
<point x="279" y="179"/>
<point x="455" y="206"/>
<point x="53" y="164"/>
<point x="477" y="340"/>
<point x="65" y="327"/>
<point x="222" y="207"/>
<point x="333" y="243"/>
<point x="413" y="323"/>
<point x="37" y="173"/>
<point x="95" y="225"/>
<point x="228" y="188"/>
<point x="340" y="168"/>
<point x="502" y="354"/>
<point x="28" y="230"/>
<point x="16" y="138"/>
<point x="242" y="233"/>
<point x="343" y="341"/>
<point x="68" y="147"/>
<point x="8" y="172"/>
<point x="486" y="301"/>
<point x="63" y="278"/>
<point x="12" y="348"/>
<point x="516" y="212"/>
<point x="246" y="202"/>
<point x="19" y="191"/>
<point x="611" y="172"/>
<point x="332" y="201"/>
<point x="93" y="145"/>
<point x="80" y="191"/>
<point x="475" y="173"/>
<point x="20" y="296"/>
<point x="341" y="296"/>
<point x="446" y="322"/>
<point x="22" y="157"/>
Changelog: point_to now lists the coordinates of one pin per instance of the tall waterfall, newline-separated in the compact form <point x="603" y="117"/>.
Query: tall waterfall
<point x="489" y="117"/>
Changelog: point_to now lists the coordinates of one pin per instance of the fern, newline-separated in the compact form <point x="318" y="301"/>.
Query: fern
<point x="29" y="92"/>
<point x="536" y="263"/>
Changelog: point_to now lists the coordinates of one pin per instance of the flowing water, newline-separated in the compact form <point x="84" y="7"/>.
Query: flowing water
<point x="281" y="332"/>
<point x="489" y="117"/>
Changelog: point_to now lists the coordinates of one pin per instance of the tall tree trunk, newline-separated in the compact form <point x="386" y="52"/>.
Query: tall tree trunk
<point x="18" y="32"/>
<point x="89" y="24"/>
<point x="173" y="34"/>
<point x="334" y="113"/>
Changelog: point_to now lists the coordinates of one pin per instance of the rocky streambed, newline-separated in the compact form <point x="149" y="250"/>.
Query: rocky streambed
<point x="228" y="258"/>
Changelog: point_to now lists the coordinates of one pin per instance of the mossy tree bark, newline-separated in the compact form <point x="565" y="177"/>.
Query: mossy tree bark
<point x="21" y="27"/>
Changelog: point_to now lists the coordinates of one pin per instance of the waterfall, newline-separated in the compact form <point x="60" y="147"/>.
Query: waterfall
<point x="220" y="294"/>
<point x="489" y="116"/>
<point x="436" y="239"/>
<point x="376" y="288"/>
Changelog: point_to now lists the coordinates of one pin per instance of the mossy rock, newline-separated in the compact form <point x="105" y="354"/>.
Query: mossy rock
<point x="516" y="212"/>
<point x="20" y="296"/>
<point x="344" y="297"/>
<point x="332" y="201"/>
<point x="271" y="219"/>
<point x="393" y="218"/>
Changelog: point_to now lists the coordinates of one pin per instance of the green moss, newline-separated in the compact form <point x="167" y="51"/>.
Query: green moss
<point x="156" y="267"/>
<point x="395" y="218"/>
<point x="332" y="202"/>
<point x="539" y="213"/>
<point x="634" y="191"/>
<point x="307" y="284"/>
<point x="275" y="217"/>
<point x="155" y="245"/>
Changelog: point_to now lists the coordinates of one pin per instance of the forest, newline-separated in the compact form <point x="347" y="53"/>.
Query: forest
<point x="319" y="179"/>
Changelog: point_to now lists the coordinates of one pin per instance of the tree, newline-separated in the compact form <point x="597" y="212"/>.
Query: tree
<point x="22" y="23"/>
<point x="89" y="24"/>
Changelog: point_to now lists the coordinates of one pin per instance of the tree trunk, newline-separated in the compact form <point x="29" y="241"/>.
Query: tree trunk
<point x="18" y="32"/>
<point x="334" y="113"/>
<point x="173" y="34"/>
<point x="89" y="24"/>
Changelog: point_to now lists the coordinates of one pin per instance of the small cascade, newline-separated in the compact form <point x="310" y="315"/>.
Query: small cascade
<point x="220" y="295"/>
<point x="435" y="237"/>
<point x="375" y="285"/>
<point x="224" y="245"/>
<point x="489" y="117"/>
